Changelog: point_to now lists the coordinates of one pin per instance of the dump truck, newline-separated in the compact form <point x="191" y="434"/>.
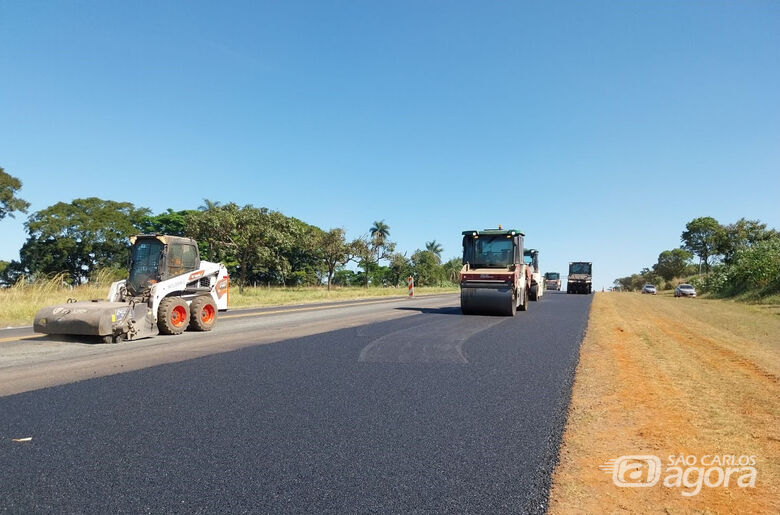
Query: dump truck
<point x="168" y="290"/>
<point x="580" y="277"/>
<point x="494" y="279"/>
<point x="531" y="259"/>
<point x="552" y="281"/>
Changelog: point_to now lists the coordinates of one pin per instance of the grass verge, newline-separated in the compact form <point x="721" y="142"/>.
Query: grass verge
<point x="663" y="376"/>
<point x="19" y="303"/>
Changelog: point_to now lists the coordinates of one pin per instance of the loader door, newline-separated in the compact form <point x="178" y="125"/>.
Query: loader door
<point x="145" y="264"/>
<point x="180" y="259"/>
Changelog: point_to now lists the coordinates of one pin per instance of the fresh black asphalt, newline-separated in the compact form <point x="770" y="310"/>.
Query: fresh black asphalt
<point x="304" y="426"/>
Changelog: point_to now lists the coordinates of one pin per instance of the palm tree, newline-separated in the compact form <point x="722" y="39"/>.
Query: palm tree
<point x="208" y="204"/>
<point x="380" y="231"/>
<point x="434" y="248"/>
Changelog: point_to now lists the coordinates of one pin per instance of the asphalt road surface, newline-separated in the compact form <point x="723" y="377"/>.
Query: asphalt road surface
<point x="382" y="406"/>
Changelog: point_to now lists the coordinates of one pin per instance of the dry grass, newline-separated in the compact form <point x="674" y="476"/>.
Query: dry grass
<point x="19" y="303"/>
<point x="665" y="376"/>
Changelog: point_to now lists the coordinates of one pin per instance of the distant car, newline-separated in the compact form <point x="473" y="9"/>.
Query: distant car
<point x="649" y="288"/>
<point x="685" y="290"/>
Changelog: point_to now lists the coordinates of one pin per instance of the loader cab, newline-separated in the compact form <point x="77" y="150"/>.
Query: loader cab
<point x="155" y="258"/>
<point x="492" y="248"/>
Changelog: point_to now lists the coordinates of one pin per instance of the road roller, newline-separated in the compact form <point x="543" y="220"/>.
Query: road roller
<point x="494" y="279"/>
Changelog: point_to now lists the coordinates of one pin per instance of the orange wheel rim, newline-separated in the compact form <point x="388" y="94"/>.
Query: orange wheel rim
<point x="178" y="316"/>
<point x="207" y="314"/>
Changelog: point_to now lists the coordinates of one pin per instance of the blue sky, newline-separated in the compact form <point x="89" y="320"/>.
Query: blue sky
<point x="597" y="128"/>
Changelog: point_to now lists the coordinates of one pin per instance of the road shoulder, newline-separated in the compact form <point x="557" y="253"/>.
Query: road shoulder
<point x="669" y="377"/>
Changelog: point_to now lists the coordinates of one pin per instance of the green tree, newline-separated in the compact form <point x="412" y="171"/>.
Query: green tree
<point x="400" y="268"/>
<point x="380" y="231"/>
<point x="701" y="237"/>
<point x="233" y="235"/>
<point x="9" y="202"/>
<point x="672" y="263"/>
<point x="335" y="250"/>
<point x="374" y="248"/>
<point x="346" y="277"/>
<point x="452" y="269"/>
<point x="300" y="249"/>
<point x="435" y="248"/>
<point x="257" y="244"/>
<point x="757" y="266"/>
<point x="741" y="235"/>
<point x="80" y="237"/>
<point x="427" y="271"/>
<point x="172" y="223"/>
<point x="209" y="204"/>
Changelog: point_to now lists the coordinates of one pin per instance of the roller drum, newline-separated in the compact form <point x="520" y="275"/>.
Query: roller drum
<point x="490" y="301"/>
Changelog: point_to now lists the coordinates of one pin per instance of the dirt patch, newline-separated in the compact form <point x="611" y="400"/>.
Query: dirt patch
<point x="670" y="377"/>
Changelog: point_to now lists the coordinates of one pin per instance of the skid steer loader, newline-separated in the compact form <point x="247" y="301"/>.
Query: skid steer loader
<point x="169" y="289"/>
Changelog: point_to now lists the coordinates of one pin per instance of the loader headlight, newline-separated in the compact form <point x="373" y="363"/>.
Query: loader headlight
<point x="120" y="314"/>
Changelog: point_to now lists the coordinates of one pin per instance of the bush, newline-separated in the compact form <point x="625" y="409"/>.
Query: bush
<point x="755" y="268"/>
<point x="758" y="266"/>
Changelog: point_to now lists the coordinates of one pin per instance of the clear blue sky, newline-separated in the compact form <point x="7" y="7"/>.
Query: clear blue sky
<point x="597" y="128"/>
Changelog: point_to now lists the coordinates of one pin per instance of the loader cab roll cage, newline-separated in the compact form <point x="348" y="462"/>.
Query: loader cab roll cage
<point x="155" y="258"/>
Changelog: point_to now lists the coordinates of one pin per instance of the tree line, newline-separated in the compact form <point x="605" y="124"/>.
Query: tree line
<point x="259" y="246"/>
<point x="733" y="259"/>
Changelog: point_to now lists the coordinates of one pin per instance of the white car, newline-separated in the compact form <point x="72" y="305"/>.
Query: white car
<point x="649" y="288"/>
<point x="685" y="290"/>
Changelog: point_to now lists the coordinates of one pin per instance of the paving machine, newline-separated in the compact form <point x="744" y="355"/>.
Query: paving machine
<point x="552" y="281"/>
<point x="531" y="258"/>
<point x="494" y="279"/>
<point x="580" y="277"/>
<point x="169" y="289"/>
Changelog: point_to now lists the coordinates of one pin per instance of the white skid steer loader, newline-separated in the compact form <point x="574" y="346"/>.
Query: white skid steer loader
<point x="169" y="290"/>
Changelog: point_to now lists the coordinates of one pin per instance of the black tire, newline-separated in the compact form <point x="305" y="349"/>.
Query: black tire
<point x="203" y="313"/>
<point x="173" y="317"/>
<point x="512" y="305"/>
<point x="119" y="338"/>
<point x="534" y="295"/>
<point x="107" y="339"/>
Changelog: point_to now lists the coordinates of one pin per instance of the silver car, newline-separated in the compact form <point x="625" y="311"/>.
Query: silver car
<point x="685" y="290"/>
<point x="649" y="288"/>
